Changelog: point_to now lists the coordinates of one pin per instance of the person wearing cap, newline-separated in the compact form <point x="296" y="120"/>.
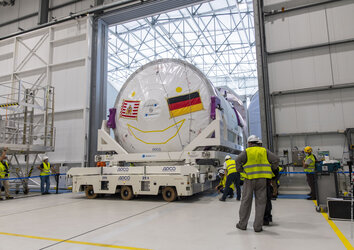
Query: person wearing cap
<point x="231" y="177"/>
<point x="258" y="164"/>
<point x="309" y="167"/>
<point x="44" y="168"/>
<point x="4" y="174"/>
<point x="221" y="187"/>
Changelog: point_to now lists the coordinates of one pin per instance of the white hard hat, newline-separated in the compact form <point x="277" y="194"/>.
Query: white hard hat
<point x="221" y="171"/>
<point x="227" y="157"/>
<point x="259" y="141"/>
<point x="253" y="138"/>
<point x="45" y="158"/>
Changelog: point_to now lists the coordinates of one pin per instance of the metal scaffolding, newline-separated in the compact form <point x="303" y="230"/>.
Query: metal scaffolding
<point x="26" y="125"/>
<point x="217" y="37"/>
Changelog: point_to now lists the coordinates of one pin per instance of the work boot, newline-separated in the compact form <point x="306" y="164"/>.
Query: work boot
<point x="265" y="223"/>
<point x="9" y="197"/>
<point x="239" y="227"/>
<point x="258" y="230"/>
<point x="221" y="199"/>
<point x="238" y="198"/>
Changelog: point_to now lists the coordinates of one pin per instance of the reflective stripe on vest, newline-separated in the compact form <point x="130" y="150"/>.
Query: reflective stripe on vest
<point x="46" y="169"/>
<point x="257" y="165"/>
<point x="231" y="166"/>
<point x="4" y="170"/>
<point x="311" y="167"/>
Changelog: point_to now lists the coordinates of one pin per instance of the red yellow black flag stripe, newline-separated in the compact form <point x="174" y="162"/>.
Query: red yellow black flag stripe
<point x="184" y="104"/>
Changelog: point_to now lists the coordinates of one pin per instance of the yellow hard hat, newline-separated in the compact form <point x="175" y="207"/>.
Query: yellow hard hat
<point x="308" y="149"/>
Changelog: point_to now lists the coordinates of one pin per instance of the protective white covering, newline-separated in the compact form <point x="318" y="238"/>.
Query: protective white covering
<point x="145" y="123"/>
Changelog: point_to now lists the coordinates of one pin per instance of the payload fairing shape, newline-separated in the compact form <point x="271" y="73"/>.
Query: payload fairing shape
<point x="166" y="104"/>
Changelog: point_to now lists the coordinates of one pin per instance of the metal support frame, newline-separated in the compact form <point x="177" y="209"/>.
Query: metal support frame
<point x="263" y="79"/>
<point x="217" y="39"/>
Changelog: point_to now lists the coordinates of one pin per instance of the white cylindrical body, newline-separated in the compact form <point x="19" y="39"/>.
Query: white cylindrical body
<point x="164" y="105"/>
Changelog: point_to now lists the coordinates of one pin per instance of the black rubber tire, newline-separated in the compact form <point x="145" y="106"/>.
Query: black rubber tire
<point x="90" y="194"/>
<point x="126" y="193"/>
<point x="169" y="194"/>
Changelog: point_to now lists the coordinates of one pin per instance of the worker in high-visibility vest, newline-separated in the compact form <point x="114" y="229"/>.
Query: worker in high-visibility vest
<point x="221" y="187"/>
<point x="5" y="173"/>
<point x="309" y="167"/>
<point x="258" y="164"/>
<point x="44" y="169"/>
<point x="231" y="177"/>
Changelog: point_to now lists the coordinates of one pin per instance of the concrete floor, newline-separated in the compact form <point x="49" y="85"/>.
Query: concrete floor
<point x="199" y="222"/>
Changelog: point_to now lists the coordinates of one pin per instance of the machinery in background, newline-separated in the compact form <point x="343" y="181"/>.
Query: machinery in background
<point x="172" y="130"/>
<point x="326" y="181"/>
<point x="26" y="126"/>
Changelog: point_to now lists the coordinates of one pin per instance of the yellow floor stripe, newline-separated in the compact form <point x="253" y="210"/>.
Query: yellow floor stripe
<point x="73" y="241"/>
<point x="340" y="235"/>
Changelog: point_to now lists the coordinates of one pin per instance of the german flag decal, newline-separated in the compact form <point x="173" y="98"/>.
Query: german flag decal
<point x="184" y="104"/>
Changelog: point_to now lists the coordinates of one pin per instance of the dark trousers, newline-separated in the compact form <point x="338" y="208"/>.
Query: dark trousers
<point x="45" y="179"/>
<point x="232" y="178"/>
<point x="311" y="181"/>
<point x="231" y="191"/>
<point x="268" y="208"/>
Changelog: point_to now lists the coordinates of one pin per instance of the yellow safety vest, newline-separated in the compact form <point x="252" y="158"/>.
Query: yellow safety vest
<point x="223" y="182"/>
<point x="257" y="165"/>
<point x="46" y="169"/>
<point x="4" y="170"/>
<point x="243" y="176"/>
<point x="311" y="167"/>
<point x="231" y="166"/>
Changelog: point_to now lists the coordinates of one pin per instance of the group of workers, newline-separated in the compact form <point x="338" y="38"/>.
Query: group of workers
<point x="258" y="170"/>
<point x="44" y="168"/>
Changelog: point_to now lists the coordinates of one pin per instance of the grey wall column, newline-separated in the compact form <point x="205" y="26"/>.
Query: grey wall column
<point x="43" y="11"/>
<point x="262" y="71"/>
<point x="98" y="86"/>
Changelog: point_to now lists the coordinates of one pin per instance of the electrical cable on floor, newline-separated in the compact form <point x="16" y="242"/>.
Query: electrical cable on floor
<point x="107" y="225"/>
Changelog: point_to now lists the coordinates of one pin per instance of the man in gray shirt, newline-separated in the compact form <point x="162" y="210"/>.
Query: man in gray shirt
<point x="257" y="163"/>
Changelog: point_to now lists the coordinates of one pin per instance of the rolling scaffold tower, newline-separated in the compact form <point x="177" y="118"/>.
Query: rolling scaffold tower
<point x="26" y="126"/>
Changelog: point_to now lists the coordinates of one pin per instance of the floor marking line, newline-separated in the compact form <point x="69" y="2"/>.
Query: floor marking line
<point x="73" y="241"/>
<point x="340" y="235"/>
<point x="107" y="225"/>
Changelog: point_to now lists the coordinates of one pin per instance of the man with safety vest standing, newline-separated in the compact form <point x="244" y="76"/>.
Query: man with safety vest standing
<point x="44" y="168"/>
<point x="5" y="173"/>
<point x="309" y="167"/>
<point x="257" y="163"/>
<point x="231" y="177"/>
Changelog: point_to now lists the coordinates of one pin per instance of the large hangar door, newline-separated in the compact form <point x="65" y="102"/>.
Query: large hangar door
<point x="307" y="75"/>
<point x="101" y="90"/>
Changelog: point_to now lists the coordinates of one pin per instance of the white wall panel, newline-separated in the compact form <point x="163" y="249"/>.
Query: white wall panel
<point x="26" y="7"/>
<point x="300" y="69"/>
<point x="341" y="20"/>
<point x="296" y="29"/>
<point x="343" y="62"/>
<point x="325" y="111"/>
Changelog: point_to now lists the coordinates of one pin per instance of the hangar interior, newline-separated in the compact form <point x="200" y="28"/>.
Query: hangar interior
<point x="278" y="69"/>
